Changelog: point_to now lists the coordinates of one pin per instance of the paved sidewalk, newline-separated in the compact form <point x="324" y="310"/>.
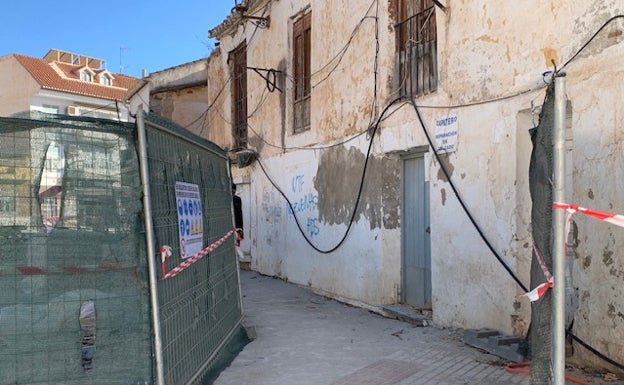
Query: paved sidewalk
<point x="306" y="339"/>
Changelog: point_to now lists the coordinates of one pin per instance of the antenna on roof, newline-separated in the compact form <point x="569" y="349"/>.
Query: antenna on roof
<point x="121" y="50"/>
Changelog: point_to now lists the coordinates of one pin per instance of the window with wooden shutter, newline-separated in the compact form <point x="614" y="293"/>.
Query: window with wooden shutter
<point x="239" y="96"/>
<point x="301" y="68"/>
<point x="416" y="71"/>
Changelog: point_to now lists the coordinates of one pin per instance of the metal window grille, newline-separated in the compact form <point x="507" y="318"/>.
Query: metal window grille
<point x="416" y="47"/>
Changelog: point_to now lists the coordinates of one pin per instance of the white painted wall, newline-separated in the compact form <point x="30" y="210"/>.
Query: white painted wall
<point x="281" y="250"/>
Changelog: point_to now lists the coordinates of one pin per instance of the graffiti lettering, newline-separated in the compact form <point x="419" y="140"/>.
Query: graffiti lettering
<point x="312" y="227"/>
<point x="305" y="203"/>
<point x="308" y="202"/>
<point x="296" y="184"/>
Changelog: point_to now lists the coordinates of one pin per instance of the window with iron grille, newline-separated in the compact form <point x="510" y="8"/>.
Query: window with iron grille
<point x="301" y="68"/>
<point x="239" y="97"/>
<point x="416" y="48"/>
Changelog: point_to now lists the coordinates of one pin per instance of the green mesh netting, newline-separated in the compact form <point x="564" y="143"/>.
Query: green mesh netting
<point x="74" y="284"/>
<point x="70" y="236"/>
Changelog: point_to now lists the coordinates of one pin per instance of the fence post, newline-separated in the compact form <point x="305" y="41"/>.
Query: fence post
<point x="558" y="218"/>
<point x="149" y="237"/>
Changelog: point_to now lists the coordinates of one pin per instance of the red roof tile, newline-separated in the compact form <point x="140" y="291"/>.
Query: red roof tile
<point x="65" y="77"/>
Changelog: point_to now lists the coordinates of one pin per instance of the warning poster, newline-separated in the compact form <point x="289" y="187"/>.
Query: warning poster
<point x="190" y="219"/>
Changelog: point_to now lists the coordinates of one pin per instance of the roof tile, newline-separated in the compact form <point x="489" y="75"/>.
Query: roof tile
<point x="64" y="77"/>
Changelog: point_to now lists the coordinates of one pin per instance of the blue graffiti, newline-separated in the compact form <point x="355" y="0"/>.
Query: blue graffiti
<point x="312" y="227"/>
<point x="296" y="184"/>
<point x="308" y="202"/>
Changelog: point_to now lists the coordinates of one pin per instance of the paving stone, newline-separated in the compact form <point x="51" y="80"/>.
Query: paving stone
<point x="306" y="339"/>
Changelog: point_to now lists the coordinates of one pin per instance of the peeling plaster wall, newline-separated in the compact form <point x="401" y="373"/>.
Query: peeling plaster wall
<point x="184" y="106"/>
<point x="598" y="163"/>
<point x="489" y="164"/>
<point x="490" y="76"/>
<point x="219" y="131"/>
<point x="354" y="272"/>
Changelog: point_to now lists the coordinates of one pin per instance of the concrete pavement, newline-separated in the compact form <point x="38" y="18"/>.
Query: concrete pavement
<point x="306" y="339"/>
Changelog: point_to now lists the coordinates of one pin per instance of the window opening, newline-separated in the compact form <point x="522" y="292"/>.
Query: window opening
<point x="106" y="80"/>
<point x="239" y="84"/>
<point x="416" y="46"/>
<point x="86" y="76"/>
<point x="302" y="36"/>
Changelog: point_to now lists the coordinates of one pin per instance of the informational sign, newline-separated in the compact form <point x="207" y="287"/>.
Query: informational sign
<point x="446" y="134"/>
<point x="190" y="219"/>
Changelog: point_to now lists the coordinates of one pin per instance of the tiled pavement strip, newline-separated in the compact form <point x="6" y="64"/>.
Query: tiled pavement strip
<point x="306" y="339"/>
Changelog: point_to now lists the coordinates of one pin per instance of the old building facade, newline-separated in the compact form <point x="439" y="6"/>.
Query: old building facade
<point x="398" y="132"/>
<point x="62" y="83"/>
<point x="178" y="93"/>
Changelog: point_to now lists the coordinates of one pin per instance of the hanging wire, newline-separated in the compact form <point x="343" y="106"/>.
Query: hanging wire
<point x="357" y="199"/>
<point x="590" y="40"/>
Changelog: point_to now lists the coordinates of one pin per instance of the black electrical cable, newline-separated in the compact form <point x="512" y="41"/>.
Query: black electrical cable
<point x="595" y="352"/>
<point x="489" y="245"/>
<point x="342" y="52"/>
<point x="375" y="66"/>
<point x="270" y="78"/>
<point x="569" y="330"/>
<point x="590" y="40"/>
<point x="359" y="194"/>
<point x="461" y="201"/>
<point x="259" y="136"/>
<point x="212" y="103"/>
<point x="117" y="108"/>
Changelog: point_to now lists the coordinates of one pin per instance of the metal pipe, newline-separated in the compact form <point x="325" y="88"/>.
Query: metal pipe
<point x="149" y="238"/>
<point x="558" y="218"/>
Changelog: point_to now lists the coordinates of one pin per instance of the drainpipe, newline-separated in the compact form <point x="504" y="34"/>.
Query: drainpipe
<point x="558" y="301"/>
<point x="149" y="237"/>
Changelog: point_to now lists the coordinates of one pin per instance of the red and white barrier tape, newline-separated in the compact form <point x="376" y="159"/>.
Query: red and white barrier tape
<point x="539" y="291"/>
<point x="612" y="218"/>
<point x="165" y="253"/>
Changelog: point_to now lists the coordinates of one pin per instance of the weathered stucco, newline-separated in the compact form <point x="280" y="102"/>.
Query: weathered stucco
<point x="338" y="179"/>
<point x="491" y="66"/>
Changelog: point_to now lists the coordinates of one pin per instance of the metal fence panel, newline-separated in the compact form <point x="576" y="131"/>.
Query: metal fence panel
<point x="200" y="309"/>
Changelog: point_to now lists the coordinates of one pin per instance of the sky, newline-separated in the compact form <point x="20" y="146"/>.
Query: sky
<point x="129" y="35"/>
